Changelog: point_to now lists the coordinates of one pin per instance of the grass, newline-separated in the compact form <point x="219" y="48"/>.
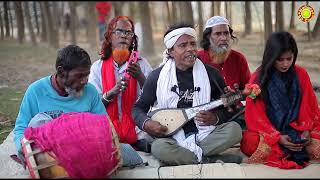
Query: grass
<point x="10" y="99"/>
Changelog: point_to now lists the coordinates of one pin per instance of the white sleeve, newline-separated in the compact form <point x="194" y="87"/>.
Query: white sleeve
<point x="95" y="76"/>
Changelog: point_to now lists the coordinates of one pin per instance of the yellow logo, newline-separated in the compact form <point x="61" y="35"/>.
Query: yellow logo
<point x="305" y="13"/>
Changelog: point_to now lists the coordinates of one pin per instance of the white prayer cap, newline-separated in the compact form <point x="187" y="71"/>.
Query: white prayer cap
<point x="171" y="38"/>
<point x="216" y="20"/>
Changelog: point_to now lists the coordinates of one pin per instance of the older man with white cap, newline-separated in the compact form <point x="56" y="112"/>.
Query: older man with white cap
<point x="183" y="81"/>
<point x="217" y="52"/>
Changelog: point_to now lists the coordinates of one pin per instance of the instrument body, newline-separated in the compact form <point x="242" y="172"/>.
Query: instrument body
<point x="175" y="118"/>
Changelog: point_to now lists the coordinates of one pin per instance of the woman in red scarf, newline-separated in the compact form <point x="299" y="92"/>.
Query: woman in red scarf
<point x="283" y="125"/>
<point x="118" y="93"/>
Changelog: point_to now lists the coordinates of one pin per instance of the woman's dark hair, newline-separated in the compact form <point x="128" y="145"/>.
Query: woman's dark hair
<point x="205" y="42"/>
<point x="277" y="44"/>
<point x="71" y="57"/>
<point x="106" y="50"/>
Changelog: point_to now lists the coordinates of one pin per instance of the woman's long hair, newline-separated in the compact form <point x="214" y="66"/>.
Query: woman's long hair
<point x="277" y="44"/>
<point x="205" y="41"/>
<point x="106" y="49"/>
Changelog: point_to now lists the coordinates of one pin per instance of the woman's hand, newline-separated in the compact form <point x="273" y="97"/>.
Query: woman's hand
<point x="286" y="141"/>
<point x="206" y="118"/>
<point x="305" y="136"/>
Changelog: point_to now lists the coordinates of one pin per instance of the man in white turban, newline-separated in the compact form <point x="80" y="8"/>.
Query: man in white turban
<point x="183" y="81"/>
<point x="217" y="52"/>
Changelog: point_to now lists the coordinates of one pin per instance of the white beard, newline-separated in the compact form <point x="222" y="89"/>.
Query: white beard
<point x="73" y="92"/>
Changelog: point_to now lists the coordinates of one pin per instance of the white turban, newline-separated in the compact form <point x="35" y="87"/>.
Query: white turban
<point x="171" y="38"/>
<point x="216" y="20"/>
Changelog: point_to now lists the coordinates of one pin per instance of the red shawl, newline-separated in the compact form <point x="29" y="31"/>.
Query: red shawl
<point x="125" y="127"/>
<point x="308" y="119"/>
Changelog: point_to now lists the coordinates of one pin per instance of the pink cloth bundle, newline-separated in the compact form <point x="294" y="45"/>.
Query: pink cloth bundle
<point x="81" y="142"/>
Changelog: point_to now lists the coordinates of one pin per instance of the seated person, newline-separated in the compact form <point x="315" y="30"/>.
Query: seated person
<point x="283" y="121"/>
<point x="107" y="74"/>
<point x="65" y="91"/>
<point x="217" y="52"/>
<point x="184" y="81"/>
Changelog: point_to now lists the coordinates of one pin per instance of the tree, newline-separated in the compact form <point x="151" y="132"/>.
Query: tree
<point x="148" y="45"/>
<point x="92" y="25"/>
<point x="247" y="18"/>
<point x="1" y="26"/>
<point x="267" y="19"/>
<point x="43" y="24"/>
<point x="20" y="23"/>
<point x="36" y="18"/>
<point x="227" y="5"/>
<point x="175" y="12"/>
<point x="316" y="29"/>
<point x="200" y="19"/>
<point x="73" y="16"/>
<point x="117" y="6"/>
<point x="186" y="12"/>
<point x="169" y="16"/>
<point x="279" y="16"/>
<point x="293" y="14"/>
<point x="10" y="19"/>
<point x="212" y="8"/>
<point x="56" y="24"/>
<point x="132" y="9"/>
<point x="49" y="24"/>
<point x="28" y="21"/>
<point x="6" y="18"/>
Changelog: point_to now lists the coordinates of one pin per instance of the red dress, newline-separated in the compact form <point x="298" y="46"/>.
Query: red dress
<point x="260" y="141"/>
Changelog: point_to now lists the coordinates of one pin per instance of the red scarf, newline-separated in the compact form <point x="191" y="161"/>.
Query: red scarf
<point x="124" y="127"/>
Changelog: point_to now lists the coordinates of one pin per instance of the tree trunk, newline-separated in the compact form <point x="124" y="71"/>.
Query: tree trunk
<point x="117" y="6"/>
<point x="292" y="25"/>
<point x="308" y="26"/>
<point x="148" y="45"/>
<point x="1" y="27"/>
<point x="49" y="23"/>
<point x="28" y="21"/>
<point x="247" y="18"/>
<point x="169" y="16"/>
<point x="175" y="13"/>
<point x="44" y="31"/>
<point x="92" y="18"/>
<point x="218" y="8"/>
<point x="200" y="19"/>
<point x="267" y="19"/>
<point x="154" y="21"/>
<point x="20" y="22"/>
<point x="36" y="18"/>
<point x="279" y="16"/>
<point x="132" y="9"/>
<point x="10" y="19"/>
<point x="55" y="22"/>
<point x="227" y="5"/>
<point x="212" y="8"/>
<point x="6" y="18"/>
<point x="73" y="16"/>
<point x="186" y="12"/>
<point x="316" y="29"/>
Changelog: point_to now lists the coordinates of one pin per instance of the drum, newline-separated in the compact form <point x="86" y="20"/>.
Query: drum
<point x="41" y="164"/>
<point x="44" y="165"/>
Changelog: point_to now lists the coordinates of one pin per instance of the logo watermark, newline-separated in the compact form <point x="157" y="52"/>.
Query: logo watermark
<point x="305" y="13"/>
